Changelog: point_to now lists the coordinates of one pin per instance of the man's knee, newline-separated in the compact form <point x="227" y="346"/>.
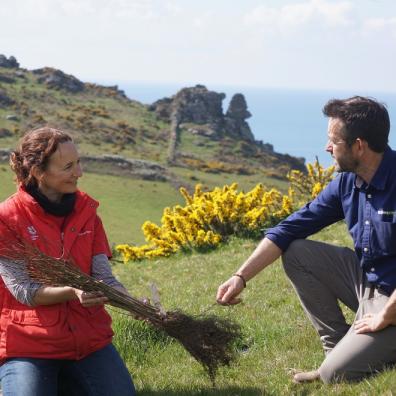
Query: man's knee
<point x="291" y="256"/>
<point x="332" y="373"/>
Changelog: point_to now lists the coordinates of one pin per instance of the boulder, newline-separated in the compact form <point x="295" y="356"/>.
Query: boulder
<point x="5" y="155"/>
<point x="11" y="117"/>
<point x="20" y="74"/>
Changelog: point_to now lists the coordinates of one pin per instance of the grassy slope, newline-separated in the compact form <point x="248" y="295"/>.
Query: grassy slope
<point x="78" y="113"/>
<point x="103" y="122"/>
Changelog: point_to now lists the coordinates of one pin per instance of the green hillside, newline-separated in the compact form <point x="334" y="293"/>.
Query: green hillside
<point x="103" y="121"/>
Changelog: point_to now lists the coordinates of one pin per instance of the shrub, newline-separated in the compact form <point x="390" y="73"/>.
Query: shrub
<point x="308" y="186"/>
<point x="209" y="218"/>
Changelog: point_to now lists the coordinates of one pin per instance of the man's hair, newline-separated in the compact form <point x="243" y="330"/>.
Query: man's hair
<point x="364" y="118"/>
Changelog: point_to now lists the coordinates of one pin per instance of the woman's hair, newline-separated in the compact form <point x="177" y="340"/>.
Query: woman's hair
<point x="34" y="150"/>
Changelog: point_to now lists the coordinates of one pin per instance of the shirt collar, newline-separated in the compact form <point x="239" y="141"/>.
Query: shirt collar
<point x="381" y="175"/>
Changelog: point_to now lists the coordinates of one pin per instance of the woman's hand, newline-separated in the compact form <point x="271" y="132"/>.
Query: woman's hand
<point x="90" y="299"/>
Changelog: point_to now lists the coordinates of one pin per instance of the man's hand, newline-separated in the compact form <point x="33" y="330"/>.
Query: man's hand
<point x="228" y="291"/>
<point x="371" y="323"/>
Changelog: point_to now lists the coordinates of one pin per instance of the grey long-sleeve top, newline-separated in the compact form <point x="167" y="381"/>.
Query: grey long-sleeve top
<point x="24" y="289"/>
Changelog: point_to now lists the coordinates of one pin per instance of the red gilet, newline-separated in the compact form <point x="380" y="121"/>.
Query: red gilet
<point x="59" y="331"/>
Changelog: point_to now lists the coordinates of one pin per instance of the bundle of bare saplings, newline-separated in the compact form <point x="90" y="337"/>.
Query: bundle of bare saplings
<point x="209" y="339"/>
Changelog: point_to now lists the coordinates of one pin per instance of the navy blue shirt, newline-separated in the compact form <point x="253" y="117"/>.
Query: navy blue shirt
<point x="369" y="211"/>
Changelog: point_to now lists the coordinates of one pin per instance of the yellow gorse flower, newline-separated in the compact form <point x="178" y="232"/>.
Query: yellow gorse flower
<point x="308" y="186"/>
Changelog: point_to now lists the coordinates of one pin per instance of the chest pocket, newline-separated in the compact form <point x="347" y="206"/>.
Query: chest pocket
<point x="81" y="249"/>
<point x="383" y="234"/>
<point x="44" y="316"/>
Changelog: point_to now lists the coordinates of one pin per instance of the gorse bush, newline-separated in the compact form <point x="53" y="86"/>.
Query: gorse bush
<point x="308" y="186"/>
<point x="209" y="218"/>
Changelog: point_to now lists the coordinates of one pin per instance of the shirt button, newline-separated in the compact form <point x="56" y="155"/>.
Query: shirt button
<point x="367" y="222"/>
<point x="368" y="196"/>
<point x="365" y="249"/>
<point x="72" y="229"/>
<point x="372" y="269"/>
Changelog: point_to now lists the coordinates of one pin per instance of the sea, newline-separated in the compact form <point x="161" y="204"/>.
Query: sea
<point x="290" y="120"/>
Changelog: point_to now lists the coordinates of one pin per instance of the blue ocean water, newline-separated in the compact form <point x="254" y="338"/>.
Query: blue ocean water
<point x="290" y="120"/>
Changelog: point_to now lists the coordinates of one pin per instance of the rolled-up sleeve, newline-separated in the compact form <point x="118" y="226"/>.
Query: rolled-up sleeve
<point x="18" y="281"/>
<point x="101" y="270"/>
<point x="324" y="210"/>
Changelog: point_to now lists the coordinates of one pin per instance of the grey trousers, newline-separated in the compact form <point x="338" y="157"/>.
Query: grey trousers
<point x="322" y="275"/>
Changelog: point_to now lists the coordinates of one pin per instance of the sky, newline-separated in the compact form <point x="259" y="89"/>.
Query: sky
<point x="301" y="44"/>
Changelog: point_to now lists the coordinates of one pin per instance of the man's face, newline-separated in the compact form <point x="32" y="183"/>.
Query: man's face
<point x="343" y="155"/>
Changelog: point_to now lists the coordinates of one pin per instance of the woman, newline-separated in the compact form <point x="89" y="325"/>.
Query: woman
<point x="55" y="340"/>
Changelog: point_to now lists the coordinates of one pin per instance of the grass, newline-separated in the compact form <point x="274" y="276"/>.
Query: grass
<point x="211" y="180"/>
<point x="277" y="335"/>
<point x="125" y="204"/>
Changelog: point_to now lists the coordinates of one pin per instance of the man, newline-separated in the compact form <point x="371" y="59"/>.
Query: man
<point x="364" y="194"/>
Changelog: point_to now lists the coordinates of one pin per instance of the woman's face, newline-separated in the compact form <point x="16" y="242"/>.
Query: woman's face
<point x="62" y="173"/>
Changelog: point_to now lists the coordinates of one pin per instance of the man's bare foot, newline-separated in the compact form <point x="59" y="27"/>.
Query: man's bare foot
<point x="306" y="376"/>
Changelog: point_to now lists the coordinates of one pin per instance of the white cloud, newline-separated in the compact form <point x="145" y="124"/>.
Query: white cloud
<point x="291" y="16"/>
<point x="382" y="26"/>
<point x="173" y="8"/>
<point x="47" y="9"/>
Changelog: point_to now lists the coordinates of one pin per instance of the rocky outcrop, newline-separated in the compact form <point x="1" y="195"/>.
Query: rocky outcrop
<point x="162" y="108"/>
<point x="235" y="117"/>
<point x="197" y="105"/>
<point x="4" y="132"/>
<point x="6" y="79"/>
<point x="5" y="100"/>
<point x="118" y="165"/>
<point x="109" y="91"/>
<point x="10" y="63"/>
<point x="56" y="79"/>
<point x="5" y="155"/>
